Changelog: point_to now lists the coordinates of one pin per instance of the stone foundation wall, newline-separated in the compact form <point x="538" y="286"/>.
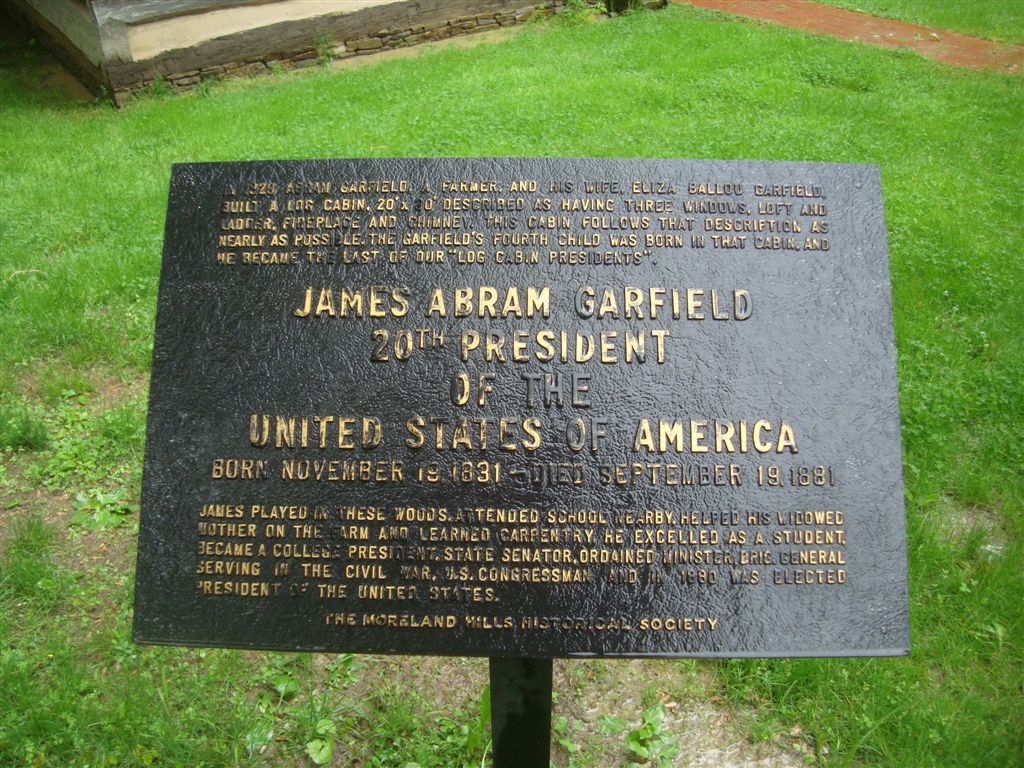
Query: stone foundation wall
<point x="383" y="40"/>
<point x="356" y="43"/>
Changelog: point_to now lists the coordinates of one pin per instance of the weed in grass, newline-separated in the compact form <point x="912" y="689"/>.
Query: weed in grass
<point x="652" y="742"/>
<point x="321" y="748"/>
<point x="398" y="729"/>
<point x="312" y="729"/>
<point x="99" y="511"/>
<point x="160" y="88"/>
<point x="281" y="675"/>
<point x="324" y="50"/>
<point x="122" y="430"/>
<point x="258" y="738"/>
<point x="27" y="571"/>
<point x="650" y="696"/>
<point x="204" y="87"/>
<point x="850" y="78"/>
<point x="304" y="718"/>
<point x="91" y="450"/>
<point x="561" y="734"/>
<point x="625" y="6"/>
<point x="580" y="12"/>
<point x="471" y="736"/>
<point x="610" y="725"/>
<point x="391" y="732"/>
<point x="690" y="684"/>
<point x="21" y="426"/>
<point x="342" y="671"/>
<point x="58" y="383"/>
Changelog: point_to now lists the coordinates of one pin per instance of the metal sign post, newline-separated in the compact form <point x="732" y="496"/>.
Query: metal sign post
<point x="521" y="712"/>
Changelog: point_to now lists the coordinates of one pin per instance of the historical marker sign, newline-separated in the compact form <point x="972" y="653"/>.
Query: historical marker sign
<point x="524" y="407"/>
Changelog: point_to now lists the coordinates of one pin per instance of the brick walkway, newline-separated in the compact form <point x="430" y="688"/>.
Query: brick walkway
<point x="939" y="44"/>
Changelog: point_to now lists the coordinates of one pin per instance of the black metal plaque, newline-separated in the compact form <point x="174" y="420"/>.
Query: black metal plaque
<point x="524" y="407"/>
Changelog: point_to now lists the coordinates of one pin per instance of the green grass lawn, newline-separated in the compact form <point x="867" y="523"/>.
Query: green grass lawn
<point x="1001" y="20"/>
<point x="81" y="215"/>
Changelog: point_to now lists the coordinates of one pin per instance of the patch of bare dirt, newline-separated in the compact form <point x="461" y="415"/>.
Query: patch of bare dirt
<point x="589" y="691"/>
<point x="79" y="551"/>
<point x="960" y="521"/>
<point x="17" y="501"/>
<point x="105" y="387"/>
<point x="111" y="389"/>
<point x="586" y="693"/>
<point x="446" y="684"/>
